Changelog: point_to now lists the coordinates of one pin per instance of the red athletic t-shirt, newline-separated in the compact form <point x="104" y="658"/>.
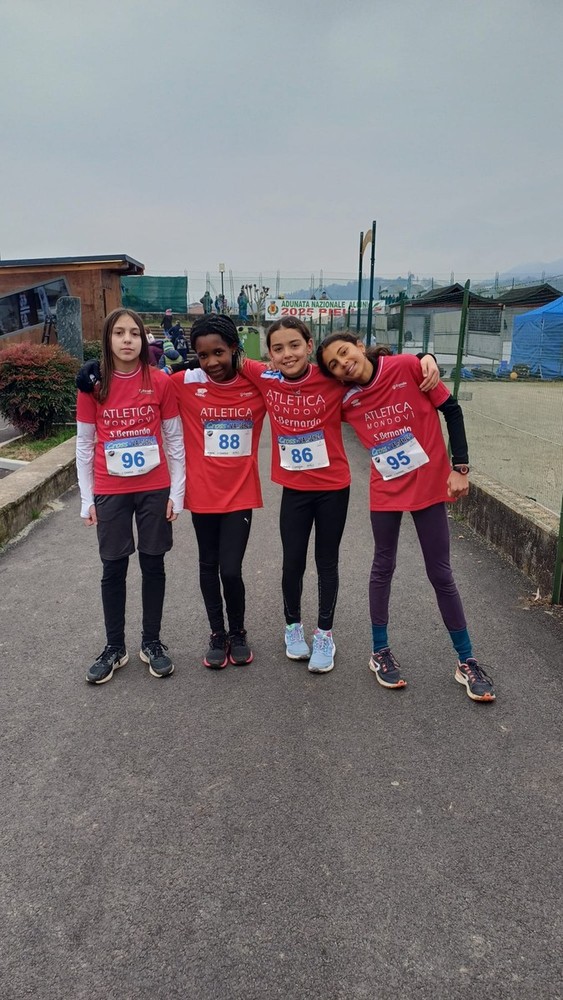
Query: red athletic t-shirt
<point x="222" y="423"/>
<point x="305" y="414"/>
<point x="128" y="422"/>
<point x="393" y="416"/>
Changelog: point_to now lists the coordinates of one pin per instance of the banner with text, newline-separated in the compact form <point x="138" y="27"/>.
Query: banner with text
<point x="316" y="309"/>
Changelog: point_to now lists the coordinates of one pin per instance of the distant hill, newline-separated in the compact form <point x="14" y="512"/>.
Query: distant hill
<point x="534" y="270"/>
<point x="349" y="290"/>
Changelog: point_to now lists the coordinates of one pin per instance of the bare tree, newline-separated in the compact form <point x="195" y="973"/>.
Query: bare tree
<point x="257" y="296"/>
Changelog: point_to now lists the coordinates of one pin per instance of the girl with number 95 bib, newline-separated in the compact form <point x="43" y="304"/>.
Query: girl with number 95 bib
<point x="130" y="460"/>
<point x="410" y="471"/>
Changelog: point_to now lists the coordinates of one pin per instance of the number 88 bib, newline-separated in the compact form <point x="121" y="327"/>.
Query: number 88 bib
<point x="227" y="438"/>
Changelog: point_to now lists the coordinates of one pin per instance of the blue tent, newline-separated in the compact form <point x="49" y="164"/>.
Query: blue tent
<point x="537" y="341"/>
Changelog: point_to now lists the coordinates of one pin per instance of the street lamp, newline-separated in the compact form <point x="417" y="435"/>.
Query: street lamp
<point x="222" y="272"/>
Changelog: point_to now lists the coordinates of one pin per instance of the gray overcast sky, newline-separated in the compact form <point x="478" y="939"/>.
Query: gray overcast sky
<point x="266" y="135"/>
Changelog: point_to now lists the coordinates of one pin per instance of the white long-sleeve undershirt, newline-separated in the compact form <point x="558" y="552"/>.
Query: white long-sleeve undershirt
<point x="173" y="441"/>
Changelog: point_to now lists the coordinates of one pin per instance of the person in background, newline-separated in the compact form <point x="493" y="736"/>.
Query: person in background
<point x="166" y="321"/>
<point x="242" y="303"/>
<point x="207" y="302"/>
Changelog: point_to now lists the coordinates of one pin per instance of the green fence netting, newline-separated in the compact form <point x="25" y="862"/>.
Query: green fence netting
<point x="148" y="294"/>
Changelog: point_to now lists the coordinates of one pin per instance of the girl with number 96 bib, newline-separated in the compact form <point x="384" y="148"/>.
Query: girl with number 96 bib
<point x="130" y="460"/>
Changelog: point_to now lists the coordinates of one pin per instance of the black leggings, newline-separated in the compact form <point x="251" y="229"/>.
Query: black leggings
<point x="114" y="591"/>
<point x="299" y="510"/>
<point x="222" y="541"/>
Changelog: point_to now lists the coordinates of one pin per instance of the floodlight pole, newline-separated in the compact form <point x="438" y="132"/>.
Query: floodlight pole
<point x="358" y="314"/>
<point x="371" y="279"/>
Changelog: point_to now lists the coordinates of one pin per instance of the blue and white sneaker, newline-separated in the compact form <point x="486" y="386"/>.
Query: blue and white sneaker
<point x="322" y="657"/>
<point x="295" y="646"/>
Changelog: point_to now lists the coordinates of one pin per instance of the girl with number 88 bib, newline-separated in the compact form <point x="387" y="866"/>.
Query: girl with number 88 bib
<point x="222" y="415"/>
<point x="130" y="460"/>
<point x="410" y="471"/>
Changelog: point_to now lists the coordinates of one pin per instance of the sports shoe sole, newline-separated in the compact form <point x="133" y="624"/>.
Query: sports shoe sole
<point x="116" y="666"/>
<point x="488" y="696"/>
<point x="240" y="662"/>
<point x="146" y="659"/>
<point x="313" y="669"/>
<point x="216" y="666"/>
<point x="399" y="684"/>
<point x="297" y="656"/>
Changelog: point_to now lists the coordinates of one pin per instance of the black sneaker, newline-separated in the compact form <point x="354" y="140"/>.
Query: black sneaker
<point x="217" y="655"/>
<point x="239" y="650"/>
<point x="154" y="653"/>
<point x="478" y="684"/>
<point x="386" y="669"/>
<point x="108" y="661"/>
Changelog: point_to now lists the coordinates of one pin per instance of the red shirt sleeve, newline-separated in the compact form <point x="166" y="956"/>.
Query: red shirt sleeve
<point x="86" y="407"/>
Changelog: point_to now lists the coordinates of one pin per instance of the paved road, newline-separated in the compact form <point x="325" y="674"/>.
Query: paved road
<point x="262" y="833"/>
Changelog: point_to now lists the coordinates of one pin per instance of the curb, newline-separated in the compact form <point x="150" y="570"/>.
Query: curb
<point x="523" y="532"/>
<point x="25" y="493"/>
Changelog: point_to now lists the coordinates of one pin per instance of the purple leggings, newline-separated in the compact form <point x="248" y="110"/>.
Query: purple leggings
<point x="433" y="534"/>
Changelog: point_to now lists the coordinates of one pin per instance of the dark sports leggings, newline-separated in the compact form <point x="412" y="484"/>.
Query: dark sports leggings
<point x="222" y="541"/>
<point x="433" y="534"/>
<point x="114" y="592"/>
<point x="299" y="510"/>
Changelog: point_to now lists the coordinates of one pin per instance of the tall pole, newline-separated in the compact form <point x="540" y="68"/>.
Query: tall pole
<point x="401" y="324"/>
<point x="461" y="341"/>
<point x="371" y="279"/>
<point x="222" y="272"/>
<point x="360" y="284"/>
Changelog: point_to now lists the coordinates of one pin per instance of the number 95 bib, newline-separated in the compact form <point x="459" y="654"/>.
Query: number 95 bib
<point x="132" y="456"/>
<point x="398" y="456"/>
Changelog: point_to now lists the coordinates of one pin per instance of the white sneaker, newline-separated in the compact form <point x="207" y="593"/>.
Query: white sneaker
<point x="295" y="646"/>
<point x="322" y="657"/>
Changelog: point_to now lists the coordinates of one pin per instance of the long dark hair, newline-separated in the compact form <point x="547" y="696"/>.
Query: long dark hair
<point x="372" y="353"/>
<point x="108" y="364"/>
<point x="224" y="327"/>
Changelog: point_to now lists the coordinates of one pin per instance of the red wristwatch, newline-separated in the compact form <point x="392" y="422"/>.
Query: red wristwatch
<point x="462" y="469"/>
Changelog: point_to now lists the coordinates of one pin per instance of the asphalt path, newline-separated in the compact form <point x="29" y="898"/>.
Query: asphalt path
<point x="260" y="832"/>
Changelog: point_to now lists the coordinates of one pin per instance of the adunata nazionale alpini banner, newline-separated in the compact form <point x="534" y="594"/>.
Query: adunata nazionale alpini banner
<point x="317" y="308"/>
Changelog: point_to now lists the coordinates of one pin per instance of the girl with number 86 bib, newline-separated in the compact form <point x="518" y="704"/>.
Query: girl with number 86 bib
<point x="410" y="471"/>
<point x="130" y="460"/>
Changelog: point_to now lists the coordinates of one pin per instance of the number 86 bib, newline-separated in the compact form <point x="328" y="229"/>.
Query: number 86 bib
<point x="398" y="456"/>
<point x="304" y="451"/>
<point x="132" y="456"/>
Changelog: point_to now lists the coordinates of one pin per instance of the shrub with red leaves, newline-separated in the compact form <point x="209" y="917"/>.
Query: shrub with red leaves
<point x="36" y="387"/>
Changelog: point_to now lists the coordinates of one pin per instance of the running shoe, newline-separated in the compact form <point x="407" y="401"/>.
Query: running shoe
<point x="478" y="684"/>
<point x="109" y="660"/>
<point x="295" y="646"/>
<point x="217" y="655"/>
<point x="239" y="650"/>
<point x="155" y="654"/>
<point x="386" y="669"/>
<point x="322" y="657"/>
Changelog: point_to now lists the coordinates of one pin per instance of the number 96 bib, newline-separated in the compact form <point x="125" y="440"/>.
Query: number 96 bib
<point x="398" y="456"/>
<point x="132" y="456"/>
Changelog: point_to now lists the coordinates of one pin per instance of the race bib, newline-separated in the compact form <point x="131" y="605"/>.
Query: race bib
<point x="305" y="451"/>
<point x="227" y="438"/>
<point x="132" y="456"/>
<point x="398" y="456"/>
